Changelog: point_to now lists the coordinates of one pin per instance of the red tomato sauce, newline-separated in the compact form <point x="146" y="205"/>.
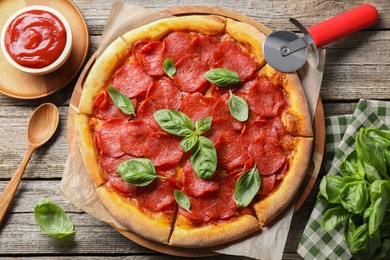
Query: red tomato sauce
<point x="35" y="39"/>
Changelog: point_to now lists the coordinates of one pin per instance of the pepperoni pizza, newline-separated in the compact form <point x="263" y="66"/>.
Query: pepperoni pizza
<point x="162" y="141"/>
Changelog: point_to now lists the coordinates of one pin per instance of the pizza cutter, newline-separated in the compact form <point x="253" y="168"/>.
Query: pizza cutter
<point x="287" y="52"/>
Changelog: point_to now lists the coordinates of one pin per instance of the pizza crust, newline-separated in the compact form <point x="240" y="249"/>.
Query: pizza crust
<point x="298" y="120"/>
<point x="156" y="227"/>
<point x="245" y="33"/>
<point x="101" y="73"/>
<point x="185" y="235"/>
<point x="87" y="149"/>
<point x="273" y="204"/>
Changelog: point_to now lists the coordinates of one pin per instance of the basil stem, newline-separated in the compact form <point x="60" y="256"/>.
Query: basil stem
<point x="169" y="67"/>
<point x="52" y="219"/>
<point x="174" y="122"/>
<point x="222" y="77"/>
<point x="182" y="200"/>
<point x="238" y="107"/>
<point x="121" y="101"/>
<point x="247" y="186"/>
<point x="204" y="158"/>
<point x="138" y="171"/>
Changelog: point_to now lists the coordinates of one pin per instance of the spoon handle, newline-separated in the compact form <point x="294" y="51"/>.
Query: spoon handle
<point x="9" y="191"/>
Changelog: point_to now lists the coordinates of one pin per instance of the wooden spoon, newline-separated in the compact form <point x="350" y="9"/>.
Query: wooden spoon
<point x="42" y="125"/>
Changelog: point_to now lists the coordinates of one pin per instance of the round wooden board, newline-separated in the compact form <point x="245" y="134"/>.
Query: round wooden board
<point x="17" y="84"/>
<point x="318" y="148"/>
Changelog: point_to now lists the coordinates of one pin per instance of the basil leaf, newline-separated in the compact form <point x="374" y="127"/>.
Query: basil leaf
<point x="52" y="219"/>
<point x="380" y="196"/>
<point x="334" y="217"/>
<point x="189" y="142"/>
<point x="384" y="252"/>
<point x="352" y="166"/>
<point x="121" y="101"/>
<point x="330" y="187"/>
<point x="169" y="67"/>
<point x="247" y="186"/>
<point x="238" y="107"/>
<point x="222" y="77"/>
<point x="174" y="122"/>
<point x="371" y="173"/>
<point x="204" y="158"/>
<point x="354" y="197"/>
<point x="358" y="239"/>
<point x="202" y="125"/>
<point x="182" y="200"/>
<point x="138" y="171"/>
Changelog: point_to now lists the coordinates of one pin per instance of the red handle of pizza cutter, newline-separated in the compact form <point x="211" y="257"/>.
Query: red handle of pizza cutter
<point x="343" y="25"/>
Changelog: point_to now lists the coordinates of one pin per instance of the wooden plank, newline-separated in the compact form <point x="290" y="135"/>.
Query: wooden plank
<point x="274" y="14"/>
<point x="47" y="162"/>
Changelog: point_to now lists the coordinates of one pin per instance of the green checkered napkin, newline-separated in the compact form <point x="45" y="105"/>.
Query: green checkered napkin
<point x="340" y="141"/>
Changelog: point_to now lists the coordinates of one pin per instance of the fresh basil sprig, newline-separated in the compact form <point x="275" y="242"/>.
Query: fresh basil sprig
<point x="169" y="67"/>
<point x="123" y="102"/>
<point x="247" y="186"/>
<point x="52" y="219"/>
<point x="238" y="107"/>
<point x="138" y="171"/>
<point x="360" y="195"/>
<point x="182" y="200"/>
<point x="222" y="77"/>
<point x="203" y="153"/>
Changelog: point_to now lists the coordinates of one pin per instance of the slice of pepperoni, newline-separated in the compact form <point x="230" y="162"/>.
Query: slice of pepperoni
<point x="242" y="63"/>
<point x="133" y="136"/>
<point x="265" y="99"/>
<point x="218" y="127"/>
<point x="157" y="196"/>
<point x="259" y="128"/>
<point x="194" y="186"/>
<point x="175" y="45"/>
<point x="196" y="106"/>
<point x="151" y="57"/>
<point x="120" y="185"/>
<point x="267" y="184"/>
<point x="216" y="205"/>
<point x="164" y="88"/>
<point x="204" y="46"/>
<point x="160" y="99"/>
<point x="190" y="72"/>
<point x="131" y="80"/>
<point x="231" y="151"/>
<point x="110" y="164"/>
<point x="108" y="137"/>
<point x="163" y="149"/>
<point x="268" y="155"/>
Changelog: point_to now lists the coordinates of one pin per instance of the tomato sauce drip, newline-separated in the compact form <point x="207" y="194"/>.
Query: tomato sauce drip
<point x="35" y="39"/>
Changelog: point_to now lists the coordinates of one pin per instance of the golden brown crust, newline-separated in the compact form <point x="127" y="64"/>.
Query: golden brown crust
<point x="298" y="120"/>
<point x="87" y="149"/>
<point x="274" y="204"/>
<point x="246" y="33"/>
<point x="158" y="29"/>
<point x="156" y="227"/>
<point x="100" y="73"/>
<point x="185" y="235"/>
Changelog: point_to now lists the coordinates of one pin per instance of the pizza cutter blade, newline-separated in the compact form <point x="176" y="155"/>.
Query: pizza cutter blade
<point x="287" y="52"/>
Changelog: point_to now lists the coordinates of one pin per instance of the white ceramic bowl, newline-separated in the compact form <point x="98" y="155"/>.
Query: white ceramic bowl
<point x="52" y="66"/>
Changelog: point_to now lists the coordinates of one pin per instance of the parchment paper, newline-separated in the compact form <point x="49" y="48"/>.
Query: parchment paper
<point x="77" y="186"/>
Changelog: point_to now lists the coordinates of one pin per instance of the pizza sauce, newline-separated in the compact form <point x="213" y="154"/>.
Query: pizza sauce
<point x="35" y="38"/>
<point x="257" y="142"/>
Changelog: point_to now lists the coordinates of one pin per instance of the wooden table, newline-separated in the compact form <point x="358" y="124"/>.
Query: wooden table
<point x="356" y="67"/>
